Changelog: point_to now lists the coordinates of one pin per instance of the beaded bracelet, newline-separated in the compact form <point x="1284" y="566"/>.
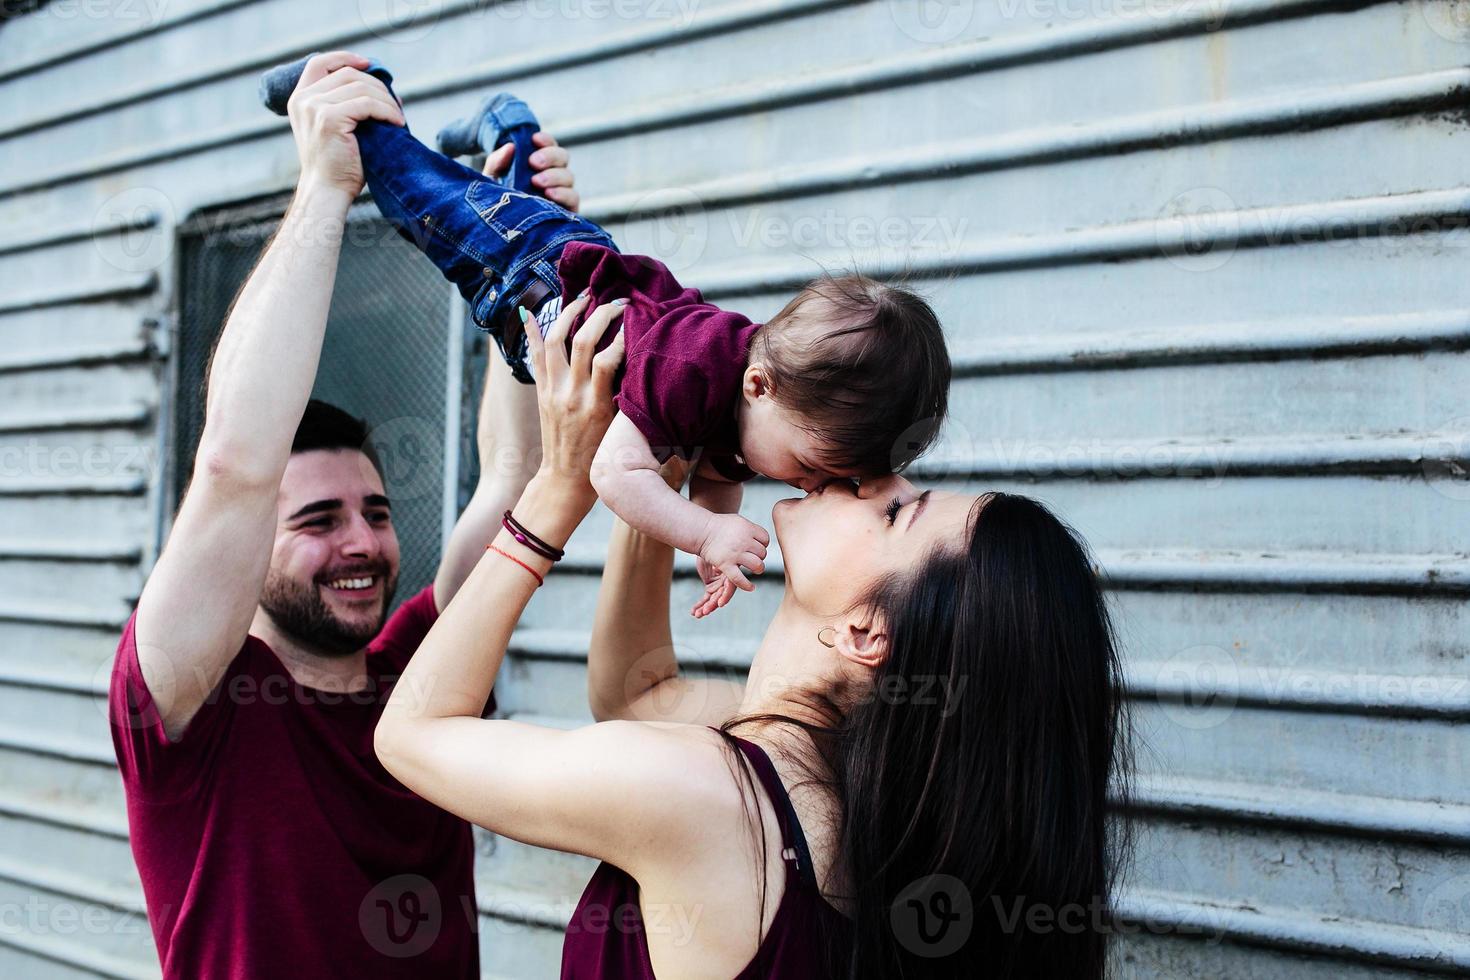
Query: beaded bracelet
<point x="520" y="533"/>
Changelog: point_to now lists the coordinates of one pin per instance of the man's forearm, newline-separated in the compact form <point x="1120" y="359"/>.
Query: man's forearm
<point x="265" y="363"/>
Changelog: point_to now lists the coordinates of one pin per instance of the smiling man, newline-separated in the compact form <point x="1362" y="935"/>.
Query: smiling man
<point x="247" y="685"/>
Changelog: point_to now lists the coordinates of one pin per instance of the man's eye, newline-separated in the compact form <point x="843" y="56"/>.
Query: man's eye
<point x="319" y="522"/>
<point x="382" y="517"/>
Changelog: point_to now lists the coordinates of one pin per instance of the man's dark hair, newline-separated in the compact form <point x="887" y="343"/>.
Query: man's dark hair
<point x="864" y="365"/>
<point x="325" y="426"/>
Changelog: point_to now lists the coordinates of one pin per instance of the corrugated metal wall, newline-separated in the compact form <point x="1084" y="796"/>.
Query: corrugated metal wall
<point x="1204" y="269"/>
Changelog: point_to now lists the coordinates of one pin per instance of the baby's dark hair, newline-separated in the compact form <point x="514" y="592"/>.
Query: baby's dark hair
<point x="865" y="367"/>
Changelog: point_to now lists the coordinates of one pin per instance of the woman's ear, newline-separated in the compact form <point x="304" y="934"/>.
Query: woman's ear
<point x="864" y="643"/>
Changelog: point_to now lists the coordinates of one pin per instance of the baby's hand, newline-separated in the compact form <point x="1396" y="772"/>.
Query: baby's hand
<point x="732" y="541"/>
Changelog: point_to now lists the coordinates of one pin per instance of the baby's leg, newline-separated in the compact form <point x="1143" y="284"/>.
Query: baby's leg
<point x="497" y="245"/>
<point x="502" y="118"/>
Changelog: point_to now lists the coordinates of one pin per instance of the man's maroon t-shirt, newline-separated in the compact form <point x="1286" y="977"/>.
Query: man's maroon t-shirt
<point x="683" y="358"/>
<point x="270" y="840"/>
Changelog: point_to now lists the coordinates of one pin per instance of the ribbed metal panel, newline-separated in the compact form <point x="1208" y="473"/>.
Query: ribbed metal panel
<point x="1202" y="266"/>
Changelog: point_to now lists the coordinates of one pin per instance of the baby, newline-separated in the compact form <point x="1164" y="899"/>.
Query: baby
<point x="849" y="380"/>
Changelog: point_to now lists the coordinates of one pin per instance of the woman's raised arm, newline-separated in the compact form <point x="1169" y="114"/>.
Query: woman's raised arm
<point x="632" y="669"/>
<point x="601" y="790"/>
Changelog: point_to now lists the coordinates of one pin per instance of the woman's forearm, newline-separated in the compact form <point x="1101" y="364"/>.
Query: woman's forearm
<point x="454" y="669"/>
<point x="632" y="645"/>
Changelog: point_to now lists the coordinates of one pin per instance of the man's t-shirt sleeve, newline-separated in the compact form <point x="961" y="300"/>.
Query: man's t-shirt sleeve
<point x="149" y="761"/>
<point x="406" y="629"/>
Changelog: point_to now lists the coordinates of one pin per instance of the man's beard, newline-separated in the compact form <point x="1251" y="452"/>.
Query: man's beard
<point x="300" y="612"/>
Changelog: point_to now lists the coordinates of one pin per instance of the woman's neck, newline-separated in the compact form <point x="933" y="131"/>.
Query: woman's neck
<point x="792" y="673"/>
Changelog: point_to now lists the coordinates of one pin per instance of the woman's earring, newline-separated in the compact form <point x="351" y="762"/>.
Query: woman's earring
<point x="827" y="629"/>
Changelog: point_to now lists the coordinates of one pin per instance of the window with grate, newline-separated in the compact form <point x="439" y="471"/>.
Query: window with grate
<point x="387" y="358"/>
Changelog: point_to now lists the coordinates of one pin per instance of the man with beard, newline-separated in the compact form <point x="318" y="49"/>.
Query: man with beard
<point x="248" y="683"/>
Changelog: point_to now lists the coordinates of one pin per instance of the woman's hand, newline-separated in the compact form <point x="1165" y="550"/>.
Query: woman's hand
<point x="574" y="396"/>
<point x="551" y="165"/>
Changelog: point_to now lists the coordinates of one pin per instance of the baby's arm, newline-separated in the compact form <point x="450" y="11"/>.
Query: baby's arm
<point x="625" y="475"/>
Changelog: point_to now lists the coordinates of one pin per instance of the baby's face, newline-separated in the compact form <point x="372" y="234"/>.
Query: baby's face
<point x="773" y="445"/>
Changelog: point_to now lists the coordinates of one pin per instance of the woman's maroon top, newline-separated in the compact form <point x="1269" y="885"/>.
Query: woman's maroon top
<point x="606" y="939"/>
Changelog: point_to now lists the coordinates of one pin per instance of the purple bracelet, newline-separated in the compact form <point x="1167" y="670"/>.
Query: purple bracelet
<point x="518" y="531"/>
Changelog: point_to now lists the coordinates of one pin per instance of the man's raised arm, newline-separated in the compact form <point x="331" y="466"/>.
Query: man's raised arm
<point x="197" y="604"/>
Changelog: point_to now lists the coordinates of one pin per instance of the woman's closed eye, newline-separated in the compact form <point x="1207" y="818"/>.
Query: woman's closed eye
<point x="891" y="513"/>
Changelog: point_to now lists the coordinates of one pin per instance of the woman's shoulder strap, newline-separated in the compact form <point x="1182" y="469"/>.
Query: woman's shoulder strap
<point x="793" y="841"/>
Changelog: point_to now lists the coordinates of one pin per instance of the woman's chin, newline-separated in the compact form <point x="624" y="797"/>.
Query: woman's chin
<point x="781" y="514"/>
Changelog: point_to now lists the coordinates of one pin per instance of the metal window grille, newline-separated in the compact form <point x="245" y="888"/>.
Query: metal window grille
<point x="386" y="358"/>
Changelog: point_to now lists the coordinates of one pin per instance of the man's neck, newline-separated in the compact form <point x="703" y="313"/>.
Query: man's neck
<point x="310" y="667"/>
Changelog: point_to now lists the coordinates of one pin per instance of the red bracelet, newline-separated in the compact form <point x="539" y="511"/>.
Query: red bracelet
<point x="534" y="573"/>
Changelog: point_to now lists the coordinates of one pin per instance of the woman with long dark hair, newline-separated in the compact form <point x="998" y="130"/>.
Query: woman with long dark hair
<point x="914" y="781"/>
